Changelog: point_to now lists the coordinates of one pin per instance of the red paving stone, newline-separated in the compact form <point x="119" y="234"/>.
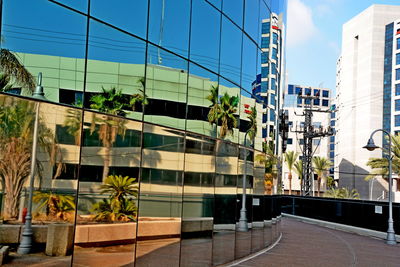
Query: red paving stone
<point x="304" y="244"/>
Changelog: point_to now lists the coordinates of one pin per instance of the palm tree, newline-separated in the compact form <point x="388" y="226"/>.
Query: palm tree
<point x="73" y="122"/>
<point x="298" y="169"/>
<point x="290" y="159"/>
<point x="5" y="83"/>
<point x="140" y="97"/>
<point x="227" y="109"/>
<point x="120" y="205"/>
<point x="16" y="130"/>
<point x="111" y="102"/>
<point x="214" y="107"/>
<point x="253" y="123"/>
<point x="321" y="166"/>
<point x="342" y="193"/>
<point x="270" y="160"/>
<point x="12" y="68"/>
<point x="57" y="205"/>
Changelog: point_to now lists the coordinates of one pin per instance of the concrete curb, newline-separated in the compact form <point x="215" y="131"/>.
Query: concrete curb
<point x="341" y="227"/>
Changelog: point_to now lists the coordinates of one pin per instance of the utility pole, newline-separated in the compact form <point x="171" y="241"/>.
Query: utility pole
<point x="309" y="133"/>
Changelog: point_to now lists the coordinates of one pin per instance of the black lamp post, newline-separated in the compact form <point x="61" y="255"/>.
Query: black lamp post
<point x="391" y="237"/>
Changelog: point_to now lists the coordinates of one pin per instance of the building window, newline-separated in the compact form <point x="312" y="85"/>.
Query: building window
<point x="332" y="139"/>
<point x="308" y="91"/>
<point x="316" y="92"/>
<point x="272" y="116"/>
<point x="273" y="68"/>
<point x="264" y="87"/>
<point x="275" y="38"/>
<point x="325" y="93"/>
<point x="265" y="42"/>
<point x="290" y="141"/>
<point x="264" y="58"/>
<point x="301" y="141"/>
<point x="332" y="123"/>
<point x="275" y="53"/>
<point x="316" y="142"/>
<point x="325" y="103"/>
<point x="298" y="91"/>
<point x="265" y="28"/>
<point x="397" y="120"/>
<point x="273" y="84"/>
<point x="316" y="102"/>
<point x="397" y="74"/>
<point x="307" y="101"/>
<point x="331" y="155"/>
<point x="398" y="59"/>
<point x="290" y="89"/>
<point x="332" y="147"/>
<point x="397" y="87"/>
<point x="397" y="105"/>
<point x="264" y="72"/>
<point x="398" y="43"/>
<point x="299" y="101"/>
<point x="273" y="101"/>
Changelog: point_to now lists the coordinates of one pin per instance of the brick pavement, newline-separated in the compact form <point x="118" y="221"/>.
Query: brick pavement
<point x="304" y="244"/>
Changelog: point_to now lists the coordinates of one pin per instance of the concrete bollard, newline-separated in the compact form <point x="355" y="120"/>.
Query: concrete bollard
<point x="59" y="239"/>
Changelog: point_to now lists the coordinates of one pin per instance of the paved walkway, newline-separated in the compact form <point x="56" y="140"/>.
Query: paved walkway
<point x="304" y="244"/>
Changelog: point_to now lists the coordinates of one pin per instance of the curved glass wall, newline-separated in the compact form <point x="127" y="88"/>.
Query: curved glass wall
<point x="152" y="119"/>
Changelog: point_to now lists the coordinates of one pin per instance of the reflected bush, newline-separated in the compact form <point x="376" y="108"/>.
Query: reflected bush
<point x="120" y="205"/>
<point x="54" y="207"/>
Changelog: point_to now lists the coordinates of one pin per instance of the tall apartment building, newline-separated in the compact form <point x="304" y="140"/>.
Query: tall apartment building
<point x="269" y="83"/>
<point x="366" y="94"/>
<point x="321" y="146"/>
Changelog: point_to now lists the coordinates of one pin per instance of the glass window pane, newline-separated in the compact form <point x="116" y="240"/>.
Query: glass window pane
<point x="230" y="51"/>
<point x="160" y="206"/>
<point x="53" y="45"/>
<point x="114" y="160"/>
<point x="205" y="35"/>
<point x="81" y="5"/>
<point x="166" y="87"/>
<point x="249" y="62"/>
<point x="234" y="10"/>
<point x="198" y="201"/>
<point x="203" y="86"/>
<point x="115" y="69"/>
<point x="251" y="24"/>
<point x="169" y="25"/>
<point x="130" y="16"/>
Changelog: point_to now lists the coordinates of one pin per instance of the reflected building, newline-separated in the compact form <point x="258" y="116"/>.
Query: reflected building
<point x="134" y="168"/>
<point x="269" y="84"/>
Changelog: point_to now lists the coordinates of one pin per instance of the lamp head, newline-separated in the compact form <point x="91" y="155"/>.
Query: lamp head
<point x="371" y="145"/>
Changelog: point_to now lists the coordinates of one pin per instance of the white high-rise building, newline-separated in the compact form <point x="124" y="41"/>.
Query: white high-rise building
<point x="363" y="101"/>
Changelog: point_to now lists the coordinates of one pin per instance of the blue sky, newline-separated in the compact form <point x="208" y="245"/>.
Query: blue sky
<point x="314" y="37"/>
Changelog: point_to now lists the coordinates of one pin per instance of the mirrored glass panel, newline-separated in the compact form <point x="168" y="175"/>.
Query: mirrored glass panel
<point x="231" y="51"/>
<point x="198" y="201"/>
<point x="216" y="3"/>
<point x="225" y="202"/>
<point x="205" y="35"/>
<point x="249" y="119"/>
<point x="105" y="232"/>
<point x="258" y="203"/>
<point x="78" y="5"/>
<point x="229" y="102"/>
<point x="202" y="101"/>
<point x="53" y="184"/>
<point x="160" y="209"/>
<point x="249" y="61"/>
<point x="53" y="45"/>
<point x="234" y="10"/>
<point x="130" y="16"/>
<point x="115" y="71"/>
<point x="169" y="25"/>
<point x="246" y="174"/>
<point x="251" y="24"/>
<point x="166" y="87"/>
<point x="265" y="14"/>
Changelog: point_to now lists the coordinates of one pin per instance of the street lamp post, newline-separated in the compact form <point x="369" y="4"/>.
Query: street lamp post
<point x="391" y="237"/>
<point x="243" y="226"/>
<point x="26" y="242"/>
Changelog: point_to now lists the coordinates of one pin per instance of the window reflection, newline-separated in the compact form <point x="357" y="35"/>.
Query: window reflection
<point x="234" y="10"/>
<point x="169" y="25"/>
<point x="205" y="35"/>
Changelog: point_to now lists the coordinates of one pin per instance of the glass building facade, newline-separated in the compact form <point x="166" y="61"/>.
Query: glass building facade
<point x="146" y="134"/>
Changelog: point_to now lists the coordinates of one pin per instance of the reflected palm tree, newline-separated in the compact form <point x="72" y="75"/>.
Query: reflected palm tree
<point x="108" y="127"/>
<point x="253" y="123"/>
<point x="16" y="131"/>
<point x="227" y="108"/>
<point x="11" y="68"/>
<point x="140" y="97"/>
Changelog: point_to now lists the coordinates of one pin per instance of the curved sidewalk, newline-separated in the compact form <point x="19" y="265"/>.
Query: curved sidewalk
<point x="305" y="244"/>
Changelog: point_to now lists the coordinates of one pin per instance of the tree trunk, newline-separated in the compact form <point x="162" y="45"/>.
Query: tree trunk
<point x="107" y="161"/>
<point x="290" y="182"/>
<point x="319" y="184"/>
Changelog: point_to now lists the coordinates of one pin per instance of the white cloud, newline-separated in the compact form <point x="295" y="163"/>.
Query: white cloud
<point x="300" y="25"/>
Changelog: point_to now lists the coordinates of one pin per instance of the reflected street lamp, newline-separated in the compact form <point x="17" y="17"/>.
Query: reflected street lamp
<point x="391" y="237"/>
<point x="26" y="242"/>
<point x="243" y="226"/>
